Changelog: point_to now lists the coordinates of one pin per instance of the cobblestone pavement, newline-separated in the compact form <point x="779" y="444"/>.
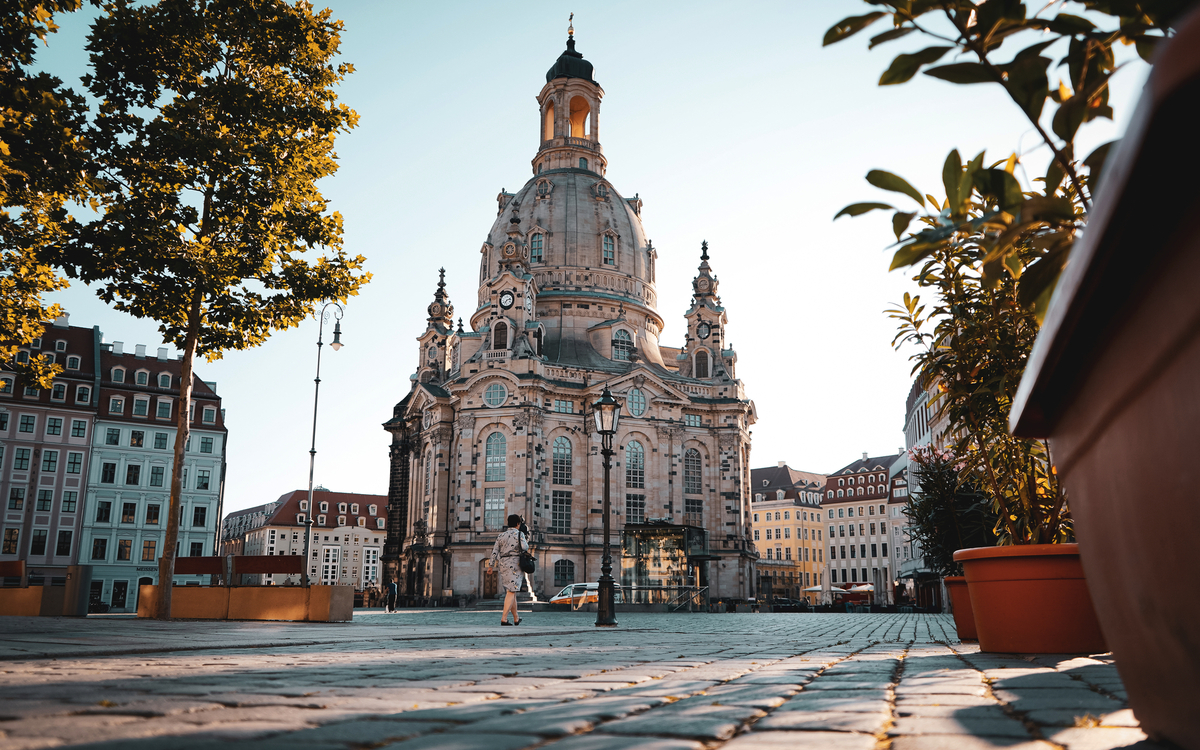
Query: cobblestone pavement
<point x="455" y="679"/>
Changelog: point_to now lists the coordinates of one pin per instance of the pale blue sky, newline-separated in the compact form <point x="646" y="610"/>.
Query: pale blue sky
<point x="730" y="121"/>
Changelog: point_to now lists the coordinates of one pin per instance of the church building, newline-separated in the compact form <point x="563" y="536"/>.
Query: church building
<point x="498" y="419"/>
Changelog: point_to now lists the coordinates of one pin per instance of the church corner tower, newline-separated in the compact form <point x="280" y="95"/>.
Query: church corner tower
<point x="497" y="418"/>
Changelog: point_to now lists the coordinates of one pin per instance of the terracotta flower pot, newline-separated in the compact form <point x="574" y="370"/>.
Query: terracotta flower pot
<point x="960" y="602"/>
<point x="1031" y="599"/>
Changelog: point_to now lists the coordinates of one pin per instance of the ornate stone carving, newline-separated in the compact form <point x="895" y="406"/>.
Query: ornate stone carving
<point x="465" y="421"/>
<point x="521" y="420"/>
<point x="728" y="440"/>
<point x="668" y="433"/>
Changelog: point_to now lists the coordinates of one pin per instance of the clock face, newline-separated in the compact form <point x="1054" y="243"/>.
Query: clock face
<point x="506" y="300"/>
<point x="702" y="285"/>
<point x="703" y="330"/>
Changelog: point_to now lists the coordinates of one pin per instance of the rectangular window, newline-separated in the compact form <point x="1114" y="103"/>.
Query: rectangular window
<point x="635" y="509"/>
<point x="31" y="391"/>
<point x="6" y="385"/>
<point x="160" y="441"/>
<point x="832" y="552"/>
<point x="143" y="378"/>
<point x="566" y="407"/>
<point x="58" y="392"/>
<point x="124" y="549"/>
<point x="693" y="506"/>
<point x="206" y="445"/>
<point x="141" y="407"/>
<point x="200" y="516"/>
<point x="37" y="545"/>
<point x="874" y="551"/>
<point x="53" y="426"/>
<point x="883" y="550"/>
<point x="851" y="529"/>
<point x="133" y="474"/>
<point x="83" y="394"/>
<point x="768" y="533"/>
<point x="852" y="551"/>
<point x="841" y="531"/>
<point x="3" y="421"/>
<point x="27" y="423"/>
<point x="99" y="549"/>
<point x="148" y="550"/>
<point x="49" y="461"/>
<point x="78" y="428"/>
<point x="108" y="473"/>
<point x="210" y="416"/>
<point x="21" y="459"/>
<point x="164" y="410"/>
<point x="691" y="420"/>
<point x="63" y="547"/>
<point x="788" y="553"/>
<point x="560" y="512"/>
<point x="136" y="438"/>
<point x="74" y="463"/>
<point x="197" y="549"/>
<point x="787" y="533"/>
<point x="16" y="498"/>
<point x="70" y="498"/>
<point x="152" y="514"/>
<point x="128" y="511"/>
<point x="118" y="376"/>
<point x="493" y="508"/>
<point x="156" y="476"/>
<point x="45" y="500"/>
<point x="103" y="511"/>
<point x="862" y="551"/>
<point x="202" y="479"/>
<point x="11" y="539"/>
<point x="116" y="405"/>
<point x="112" y="436"/>
<point x="610" y="253"/>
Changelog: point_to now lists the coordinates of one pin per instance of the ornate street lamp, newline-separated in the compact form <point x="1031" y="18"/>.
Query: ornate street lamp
<point x="607" y="412"/>
<point x="312" y="453"/>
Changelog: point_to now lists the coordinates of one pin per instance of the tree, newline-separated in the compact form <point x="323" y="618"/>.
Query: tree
<point x="216" y="120"/>
<point x="42" y="159"/>
<point x="945" y="515"/>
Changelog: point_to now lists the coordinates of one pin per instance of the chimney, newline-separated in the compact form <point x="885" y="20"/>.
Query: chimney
<point x="119" y="348"/>
<point x="140" y="351"/>
<point x="864" y="455"/>
<point x="782" y="464"/>
<point x="162" y="354"/>
<point x="63" y="321"/>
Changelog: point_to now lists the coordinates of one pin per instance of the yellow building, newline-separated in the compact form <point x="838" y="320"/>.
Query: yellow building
<point x="788" y="530"/>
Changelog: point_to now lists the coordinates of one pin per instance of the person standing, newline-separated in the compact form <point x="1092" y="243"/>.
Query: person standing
<point x="392" y="591"/>
<point x="506" y="556"/>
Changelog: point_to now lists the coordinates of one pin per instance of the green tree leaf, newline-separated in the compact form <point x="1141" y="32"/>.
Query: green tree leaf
<point x="1001" y="187"/>
<point x="888" y="36"/>
<point x="906" y="66"/>
<point x="857" y="209"/>
<point x="889" y="181"/>
<point x="900" y="222"/>
<point x="952" y="171"/>
<point x="848" y="27"/>
<point x="965" y="72"/>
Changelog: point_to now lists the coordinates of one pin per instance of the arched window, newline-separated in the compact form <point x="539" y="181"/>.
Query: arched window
<point x="610" y="251"/>
<point x="428" y="471"/>
<point x="702" y="364"/>
<point x="118" y="375"/>
<point x="622" y="345"/>
<point x="636" y="402"/>
<point x="580" y="109"/>
<point x="583" y="163"/>
<point x="164" y="381"/>
<point x="831" y="493"/>
<point x="692" y="481"/>
<point x="860" y="490"/>
<point x="535" y="248"/>
<point x="839" y="493"/>
<point x="500" y="336"/>
<point x="561" y="473"/>
<point x="564" y="573"/>
<point x="548" y="123"/>
<point x="496" y="455"/>
<point x="635" y="465"/>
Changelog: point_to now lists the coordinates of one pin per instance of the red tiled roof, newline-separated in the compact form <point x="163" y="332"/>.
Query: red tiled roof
<point x="289" y="508"/>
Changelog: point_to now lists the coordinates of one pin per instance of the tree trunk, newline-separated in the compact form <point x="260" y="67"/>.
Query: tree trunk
<point x="166" y="561"/>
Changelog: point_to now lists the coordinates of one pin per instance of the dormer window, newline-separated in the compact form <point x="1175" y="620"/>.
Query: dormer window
<point x="610" y="251"/>
<point x="320" y="520"/>
<point x="535" y="248"/>
<point x="354" y="508"/>
<point x="373" y="509"/>
<point x="143" y="377"/>
<point x="379" y="523"/>
<point x="118" y="375"/>
<point x="164" y="380"/>
<point x="73" y="363"/>
<point x="341" y="507"/>
<point x="60" y="346"/>
<point x="362" y="521"/>
<point x="500" y="336"/>
<point x="324" y="507"/>
<point x="622" y="345"/>
<point x="341" y="520"/>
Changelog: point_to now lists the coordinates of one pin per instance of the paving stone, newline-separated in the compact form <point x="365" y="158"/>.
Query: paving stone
<point x="966" y="742"/>
<point x="467" y="742"/>
<point x="993" y="711"/>
<point x="1096" y="738"/>
<point x="860" y="701"/>
<point x="787" y="740"/>
<point x="775" y="678"/>
<point x="615" y="742"/>
<point x="1032" y="699"/>
<point x="364" y="732"/>
<point x="823" y="684"/>
<point x="949" y="688"/>
<point x="703" y="722"/>
<point x="758" y="696"/>
<point x="841" y="721"/>
<point x="975" y="726"/>
<point x="1036" y="680"/>
<point x="943" y="699"/>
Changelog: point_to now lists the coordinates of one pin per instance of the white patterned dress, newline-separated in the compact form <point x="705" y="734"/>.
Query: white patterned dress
<point x="506" y="557"/>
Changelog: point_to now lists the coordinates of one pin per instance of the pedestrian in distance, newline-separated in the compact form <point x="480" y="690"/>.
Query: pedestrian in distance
<point x="506" y="557"/>
<point x="392" y="591"/>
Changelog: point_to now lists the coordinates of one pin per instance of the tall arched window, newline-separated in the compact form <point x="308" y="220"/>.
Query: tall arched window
<point x="500" y="336"/>
<point x="635" y="465"/>
<point x="535" y="248"/>
<point x="561" y="473"/>
<point x="548" y="123"/>
<point x="428" y="469"/>
<point x="564" y="573"/>
<point x="622" y="345"/>
<point x="702" y="364"/>
<point x="583" y="163"/>
<point x="610" y="251"/>
<point x="496" y="455"/>
<point x="691" y="472"/>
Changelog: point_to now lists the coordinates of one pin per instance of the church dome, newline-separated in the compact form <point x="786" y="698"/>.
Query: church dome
<point x="570" y="64"/>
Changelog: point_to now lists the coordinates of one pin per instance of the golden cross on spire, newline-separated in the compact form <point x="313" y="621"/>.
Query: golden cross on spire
<point x="571" y="25"/>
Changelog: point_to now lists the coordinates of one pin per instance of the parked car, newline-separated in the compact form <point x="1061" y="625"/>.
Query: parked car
<point x="577" y="594"/>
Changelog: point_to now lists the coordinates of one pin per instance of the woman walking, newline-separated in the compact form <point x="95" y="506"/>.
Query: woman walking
<point x="506" y="554"/>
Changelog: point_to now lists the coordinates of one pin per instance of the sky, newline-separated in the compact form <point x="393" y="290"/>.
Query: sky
<point x="729" y="120"/>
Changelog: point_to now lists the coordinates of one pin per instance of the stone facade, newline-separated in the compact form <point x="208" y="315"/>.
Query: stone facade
<point x="499" y="416"/>
<point x="860" y="540"/>
<point x="789" y="530"/>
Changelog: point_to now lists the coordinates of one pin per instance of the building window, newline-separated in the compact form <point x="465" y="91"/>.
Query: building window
<point x="69" y="501"/>
<point x="27" y="423"/>
<point x="564" y="407"/>
<point x="37" y="545"/>
<point x="164" y="380"/>
<point x="99" y="549"/>
<point x="691" y="472"/>
<point x="495" y="394"/>
<point x="136" y="438"/>
<point x="12" y="539"/>
<point x="564" y="573"/>
<point x="535" y="247"/>
<point x="143" y="377"/>
<point x="202" y="477"/>
<point x="128" y="511"/>
<point x="206" y="445"/>
<point x="21" y="459"/>
<point x="210" y="416"/>
<point x="78" y="428"/>
<point x="152" y="514"/>
<point x="496" y="455"/>
<point x="82" y="394"/>
<point x="197" y="549"/>
<point x="58" y="392"/>
<point x="635" y="465"/>
<point x="560" y="512"/>
<point x="561" y="473"/>
<point x="702" y="363"/>
<point x="103" y="511"/>
<point x="610" y="251"/>
<point x="124" y="549"/>
<point x="164" y="410"/>
<point x="500" y="336"/>
<point x="116" y="405"/>
<point x="622" y="345"/>
<point x="635" y="509"/>
<point x="583" y="164"/>
<point x="148" y="550"/>
<point x="200" y="516"/>
<point x="108" y="473"/>
<point x="691" y="420"/>
<point x="637" y="402"/>
<point x="160" y="441"/>
<point x="156" y="476"/>
<point x="6" y="385"/>
<point x="493" y="508"/>
<point x="141" y="406"/>
<point x="133" y="474"/>
<point x="49" y="461"/>
<point x="118" y="375"/>
<point x="112" y="436"/>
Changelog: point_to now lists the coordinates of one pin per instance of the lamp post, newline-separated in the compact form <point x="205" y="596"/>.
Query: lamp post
<point x="312" y="452"/>
<point x="607" y="412"/>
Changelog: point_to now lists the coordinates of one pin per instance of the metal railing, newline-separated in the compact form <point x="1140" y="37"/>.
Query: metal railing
<point x="695" y="597"/>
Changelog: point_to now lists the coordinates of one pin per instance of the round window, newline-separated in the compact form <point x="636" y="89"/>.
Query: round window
<point x="495" y="394"/>
<point x="637" y="402"/>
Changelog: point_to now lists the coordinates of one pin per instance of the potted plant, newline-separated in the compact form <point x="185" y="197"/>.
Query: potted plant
<point x="944" y="516"/>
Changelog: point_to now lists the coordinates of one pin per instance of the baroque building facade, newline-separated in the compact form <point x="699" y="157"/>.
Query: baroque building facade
<point x="498" y="419"/>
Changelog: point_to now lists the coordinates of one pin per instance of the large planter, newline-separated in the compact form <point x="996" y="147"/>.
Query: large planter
<point x="960" y="603"/>
<point x="1031" y="599"/>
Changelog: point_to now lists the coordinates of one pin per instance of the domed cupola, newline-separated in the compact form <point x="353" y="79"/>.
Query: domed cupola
<point x="570" y="64"/>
